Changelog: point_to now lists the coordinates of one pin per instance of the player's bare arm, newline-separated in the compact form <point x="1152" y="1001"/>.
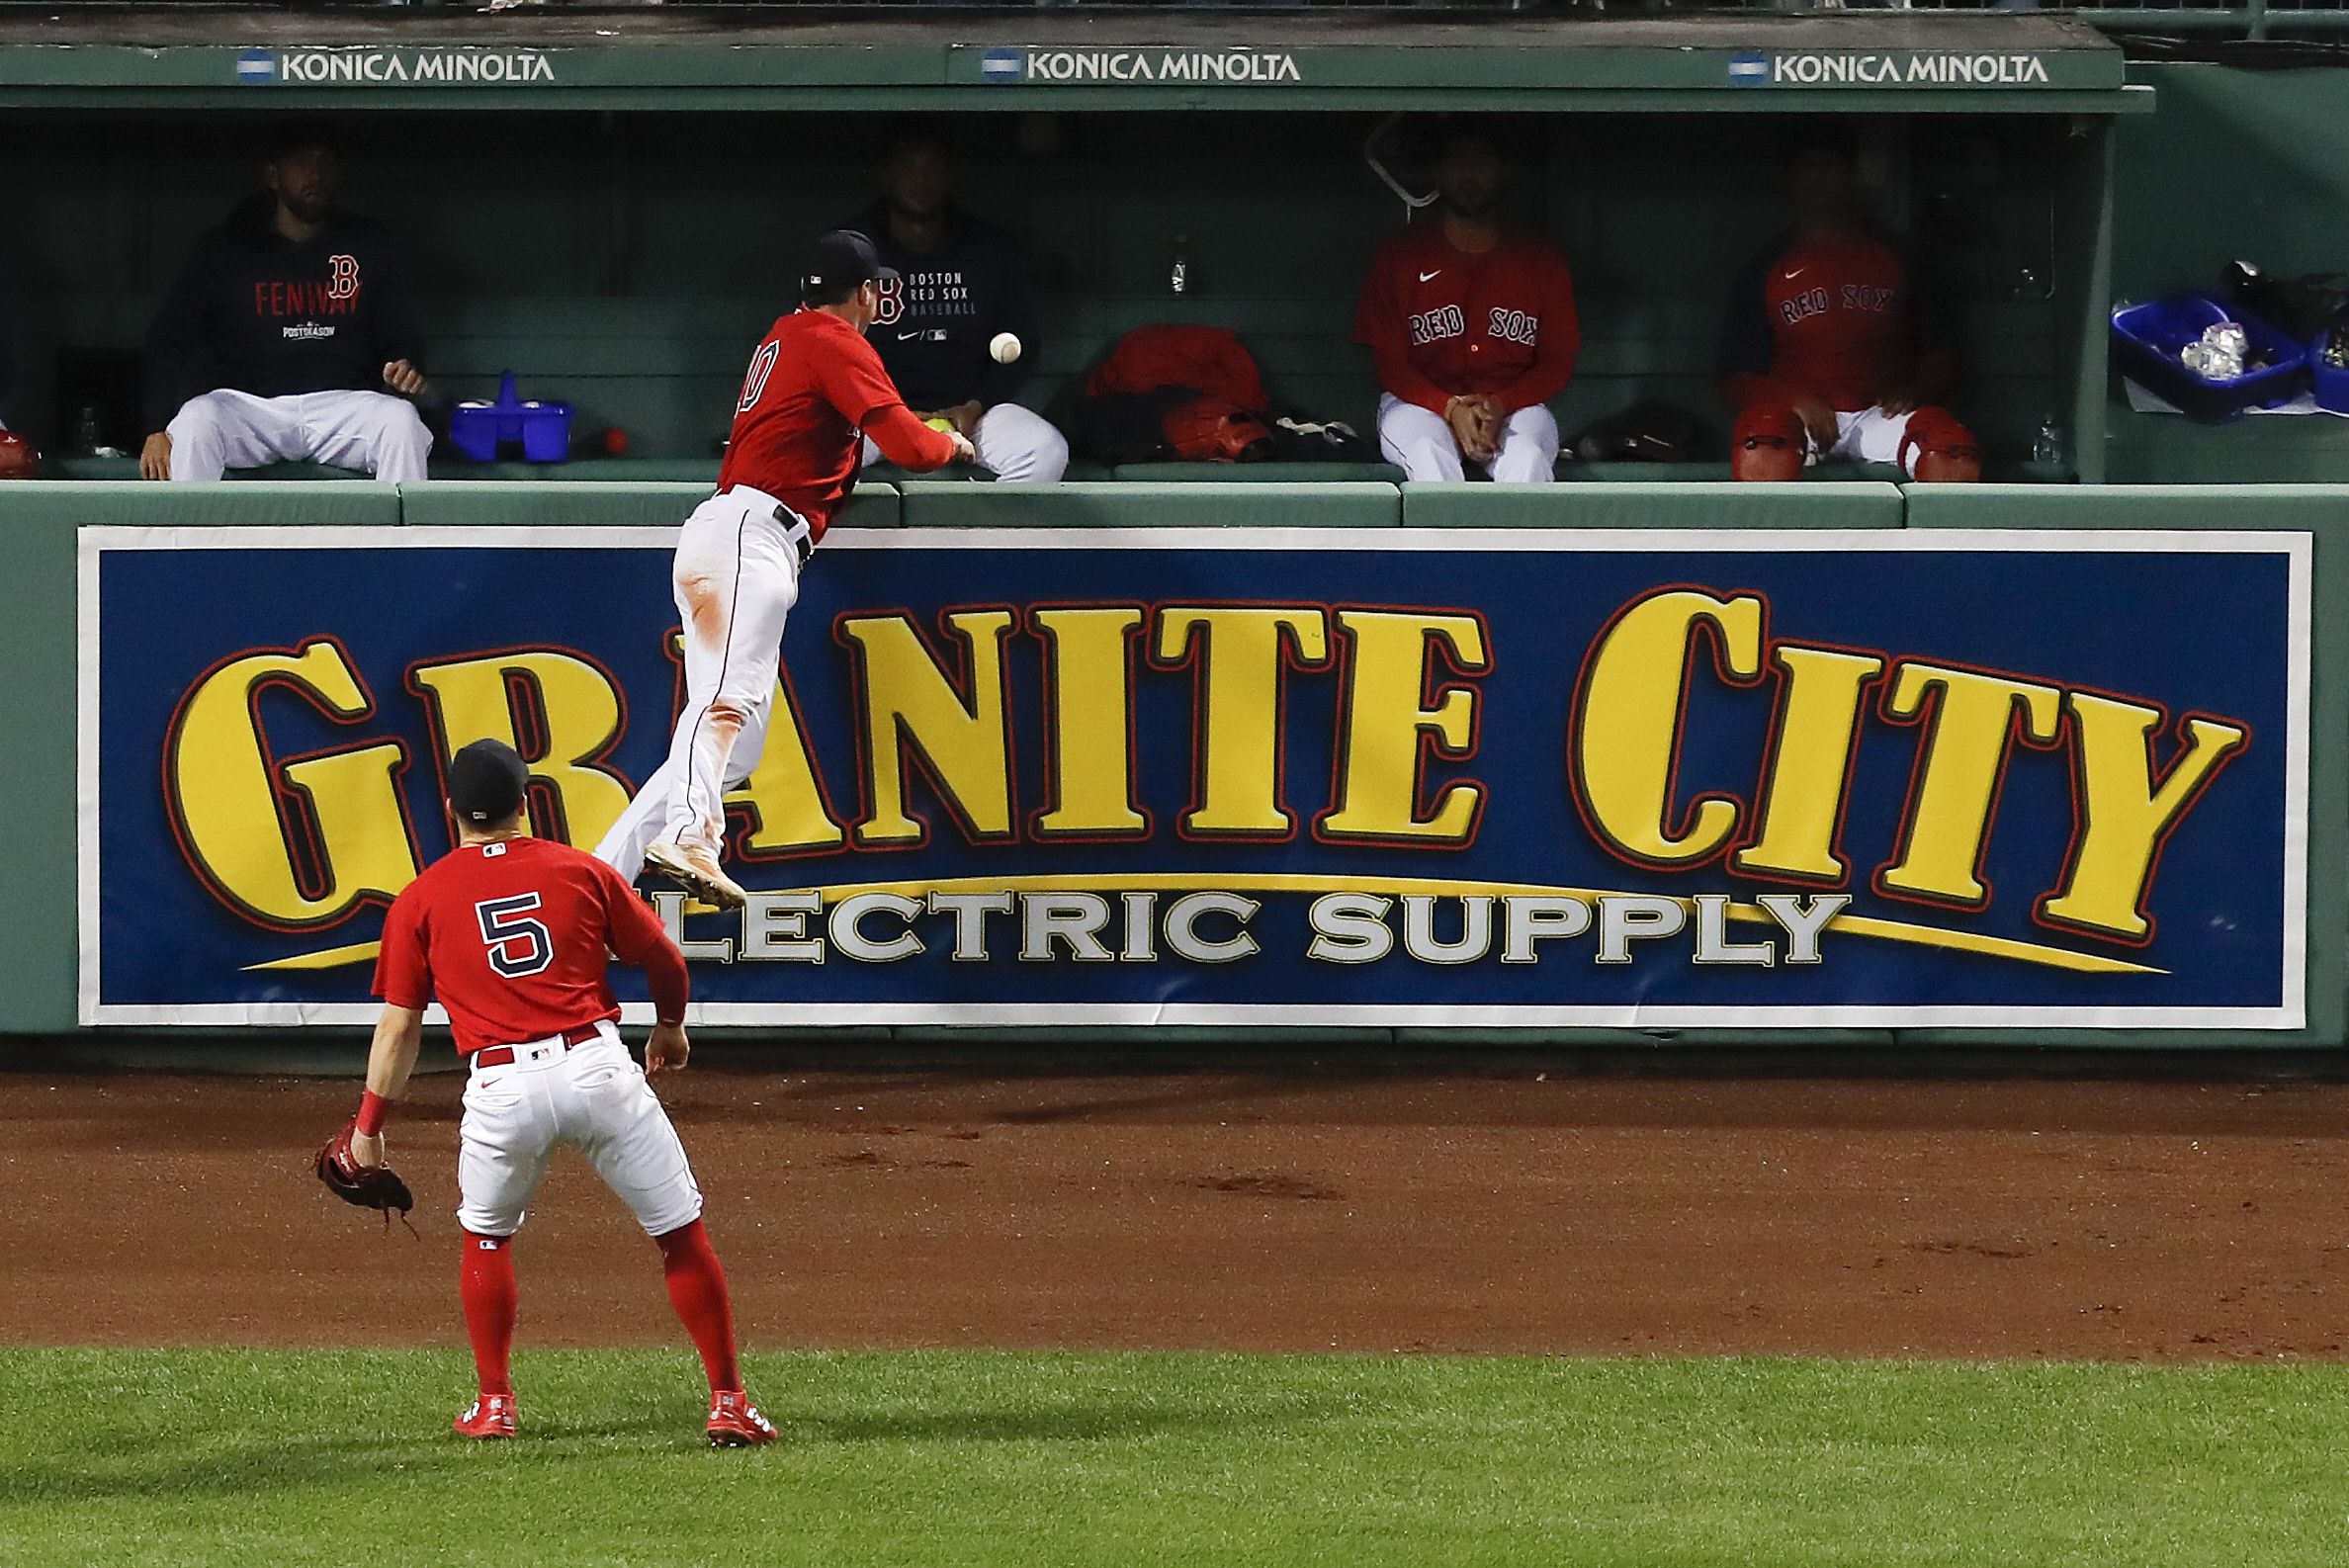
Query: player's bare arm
<point x="154" y="457"/>
<point x="391" y="1059"/>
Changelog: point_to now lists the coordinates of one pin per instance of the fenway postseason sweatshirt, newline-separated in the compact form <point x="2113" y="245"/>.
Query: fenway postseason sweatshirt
<point x="255" y="312"/>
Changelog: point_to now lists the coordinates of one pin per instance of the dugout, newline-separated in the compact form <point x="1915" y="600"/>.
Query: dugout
<point x="604" y="204"/>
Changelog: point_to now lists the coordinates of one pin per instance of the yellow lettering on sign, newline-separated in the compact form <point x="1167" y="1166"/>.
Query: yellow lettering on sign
<point x="1246" y="652"/>
<point x="248" y="820"/>
<point x="2123" y="816"/>
<point x="1089" y="721"/>
<point x="963" y="742"/>
<point x="560" y="712"/>
<point x="785" y="797"/>
<point x="1975" y="719"/>
<point x="1626" y="741"/>
<point x="1379" y="765"/>
<point x="1810" y="766"/>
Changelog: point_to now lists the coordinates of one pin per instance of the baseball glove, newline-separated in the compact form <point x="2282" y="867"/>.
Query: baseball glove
<point x="368" y="1186"/>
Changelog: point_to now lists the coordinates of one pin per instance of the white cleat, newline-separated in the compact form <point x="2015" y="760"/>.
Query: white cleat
<point x="695" y="869"/>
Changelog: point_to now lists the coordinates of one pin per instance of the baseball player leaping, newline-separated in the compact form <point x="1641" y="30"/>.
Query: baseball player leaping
<point x="816" y="389"/>
<point x="511" y="933"/>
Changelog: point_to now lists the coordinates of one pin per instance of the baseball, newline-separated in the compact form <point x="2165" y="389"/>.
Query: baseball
<point x="1004" y="348"/>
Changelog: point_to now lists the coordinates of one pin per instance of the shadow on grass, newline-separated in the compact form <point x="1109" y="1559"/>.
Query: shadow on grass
<point x="1062" y="1424"/>
<point x="302" y="1460"/>
<point x="163" y="1473"/>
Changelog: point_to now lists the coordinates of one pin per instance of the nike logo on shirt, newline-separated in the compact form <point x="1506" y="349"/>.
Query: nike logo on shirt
<point x="1425" y="275"/>
<point x="902" y="336"/>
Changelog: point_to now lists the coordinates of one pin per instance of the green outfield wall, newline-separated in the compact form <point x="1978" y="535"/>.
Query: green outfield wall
<point x="40" y="523"/>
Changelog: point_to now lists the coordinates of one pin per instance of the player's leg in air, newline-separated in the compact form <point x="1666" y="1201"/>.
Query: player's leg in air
<point x="735" y="578"/>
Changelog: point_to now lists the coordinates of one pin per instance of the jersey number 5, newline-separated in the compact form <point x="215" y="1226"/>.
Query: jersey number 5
<point x="518" y="946"/>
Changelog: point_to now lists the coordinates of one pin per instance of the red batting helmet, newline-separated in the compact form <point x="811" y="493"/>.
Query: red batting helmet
<point x="18" y="460"/>
<point x="1216" y="430"/>
<point x="1769" y="443"/>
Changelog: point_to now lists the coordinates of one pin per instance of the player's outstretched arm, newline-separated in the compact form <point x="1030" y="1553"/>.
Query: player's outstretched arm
<point x="909" y="444"/>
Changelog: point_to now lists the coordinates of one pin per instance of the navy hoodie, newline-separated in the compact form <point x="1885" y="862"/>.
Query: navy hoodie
<point x="935" y="327"/>
<point x="255" y="312"/>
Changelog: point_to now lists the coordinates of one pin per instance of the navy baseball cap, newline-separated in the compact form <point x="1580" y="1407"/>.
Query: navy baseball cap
<point x="839" y="262"/>
<point x="487" y="780"/>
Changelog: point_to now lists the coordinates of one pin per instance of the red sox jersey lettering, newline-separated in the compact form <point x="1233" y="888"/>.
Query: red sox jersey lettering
<point x="1839" y="319"/>
<point x="1444" y="323"/>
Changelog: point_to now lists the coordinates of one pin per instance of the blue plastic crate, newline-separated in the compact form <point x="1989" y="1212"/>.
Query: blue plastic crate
<point x="2332" y="384"/>
<point x="541" y="429"/>
<point x="2147" y="339"/>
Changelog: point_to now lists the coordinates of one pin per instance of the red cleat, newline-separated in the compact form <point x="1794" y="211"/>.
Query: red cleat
<point x="489" y="1416"/>
<point x="734" y="1423"/>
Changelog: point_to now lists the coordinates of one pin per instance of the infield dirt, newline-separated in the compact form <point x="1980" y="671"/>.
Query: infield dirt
<point x="1241" y="1210"/>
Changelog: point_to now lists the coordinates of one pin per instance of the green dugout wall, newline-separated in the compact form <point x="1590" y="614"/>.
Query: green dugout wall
<point x="610" y="212"/>
<point x="38" y="523"/>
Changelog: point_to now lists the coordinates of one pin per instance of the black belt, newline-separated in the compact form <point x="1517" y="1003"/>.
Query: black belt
<point x="805" y="539"/>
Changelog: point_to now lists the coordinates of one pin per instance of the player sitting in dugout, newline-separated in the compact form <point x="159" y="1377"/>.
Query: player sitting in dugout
<point x="1472" y="325"/>
<point x="288" y="336"/>
<point x="1831" y="351"/>
<point x="961" y="282"/>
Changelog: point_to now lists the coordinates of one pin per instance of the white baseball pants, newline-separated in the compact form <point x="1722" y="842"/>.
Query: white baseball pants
<point x="592" y="1096"/>
<point x="1869" y="436"/>
<point x="1421" y="444"/>
<point x="735" y="577"/>
<point x="1014" y="444"/>
<point x="374" y="431"/>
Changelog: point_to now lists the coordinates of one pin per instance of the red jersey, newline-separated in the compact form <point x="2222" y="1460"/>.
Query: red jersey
<point x="816" y="389"/>
<point x="1830" y="316"/>
<point x="511" y="938"/>
<point x="1442" y="322"/>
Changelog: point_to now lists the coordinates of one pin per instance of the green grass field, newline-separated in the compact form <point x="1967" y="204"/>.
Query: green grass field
<point x="200" y="1457"/>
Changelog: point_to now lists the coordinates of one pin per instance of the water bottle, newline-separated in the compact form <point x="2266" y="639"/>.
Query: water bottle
<point x="85" y="431"/>
<point x="1179" y="278"/>
<point x="2047" y="447"/>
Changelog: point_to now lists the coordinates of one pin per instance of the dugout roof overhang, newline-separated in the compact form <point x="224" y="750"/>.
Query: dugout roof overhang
<point x="882" y="58"/>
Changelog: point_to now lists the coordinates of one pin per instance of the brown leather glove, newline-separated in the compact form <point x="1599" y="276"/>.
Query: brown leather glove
<point x="368" y="1186"/>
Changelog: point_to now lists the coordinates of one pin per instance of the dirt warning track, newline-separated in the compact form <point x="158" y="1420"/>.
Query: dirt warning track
<point x="1242" y="1210"/>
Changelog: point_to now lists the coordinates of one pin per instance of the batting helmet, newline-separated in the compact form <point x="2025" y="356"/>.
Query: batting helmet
<point x="1938" y="449"/>
<point x="18" y="460"/>
<point x="1216" y="430"/>
<point x="1769" y="443"/>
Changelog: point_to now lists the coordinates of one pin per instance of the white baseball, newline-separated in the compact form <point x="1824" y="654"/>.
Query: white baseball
<point x="1004" y="348"/>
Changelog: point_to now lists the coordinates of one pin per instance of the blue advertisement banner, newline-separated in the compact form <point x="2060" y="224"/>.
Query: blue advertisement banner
<point x="1419" y="777"/>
